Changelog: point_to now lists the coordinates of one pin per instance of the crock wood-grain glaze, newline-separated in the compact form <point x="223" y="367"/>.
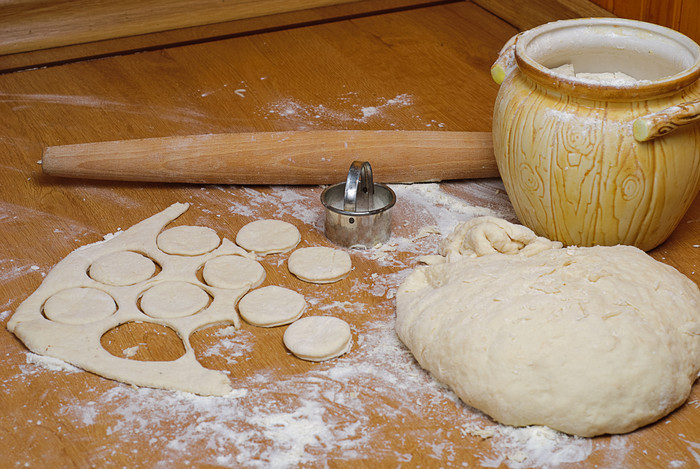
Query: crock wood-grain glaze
<point x="595" y="163"/>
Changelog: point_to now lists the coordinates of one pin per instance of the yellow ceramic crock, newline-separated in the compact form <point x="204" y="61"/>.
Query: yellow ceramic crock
<point x="590" y="163"/>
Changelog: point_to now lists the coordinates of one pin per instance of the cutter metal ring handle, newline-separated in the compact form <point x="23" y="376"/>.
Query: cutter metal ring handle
<point x="358" y="212"/>
<point x="359" y="188"/>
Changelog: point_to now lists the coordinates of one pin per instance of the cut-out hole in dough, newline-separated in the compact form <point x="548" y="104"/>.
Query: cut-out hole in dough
<point x="271" y="306"/>
<point x="122" y="268"/>
<point x="79" y="305"/>
<point x="233" y="272"/>
<point x="143" y="341"/>
<point x="219" y="346"/>
<point x="188" y="240"/>
<point x="174" y="299"/>
<point x="268" y="236"/>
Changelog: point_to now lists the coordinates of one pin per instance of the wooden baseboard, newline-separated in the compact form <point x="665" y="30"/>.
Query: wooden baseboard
<point x="35" y="34"/>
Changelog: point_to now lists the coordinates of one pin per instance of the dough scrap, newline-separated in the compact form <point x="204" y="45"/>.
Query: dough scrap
<point x="233" y="272"/>
<point x="319" y="264"/>
<point x="318" y="338"/>
<point x="271" y="306"/>
<point x="489" y="235"/>
<point x="188" y="240"/>
<point x="122" y="268"/>
<point x="78" y="343"/>
<point x="268" y="236"/>
<point x="587" y="341"/>
<point x="79" y="305"/>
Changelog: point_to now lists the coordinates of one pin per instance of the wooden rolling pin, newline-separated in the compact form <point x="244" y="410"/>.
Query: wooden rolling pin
<point x="295" y="157"/>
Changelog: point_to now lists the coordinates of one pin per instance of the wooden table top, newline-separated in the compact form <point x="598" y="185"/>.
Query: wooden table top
<point x="420" y="68"/>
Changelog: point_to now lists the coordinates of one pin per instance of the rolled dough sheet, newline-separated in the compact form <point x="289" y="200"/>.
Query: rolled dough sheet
<point x="75" y="338"/>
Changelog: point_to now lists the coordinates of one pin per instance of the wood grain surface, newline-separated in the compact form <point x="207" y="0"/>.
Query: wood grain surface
<point x="681" y="15"/>
<point x="415" y="69"/>
<point x="49" y="33"/>
<point x="307" y="157"/>
<point x="28" y="26"/>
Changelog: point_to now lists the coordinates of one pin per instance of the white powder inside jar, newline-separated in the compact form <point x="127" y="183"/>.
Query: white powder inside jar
<point x="606" y="78"/>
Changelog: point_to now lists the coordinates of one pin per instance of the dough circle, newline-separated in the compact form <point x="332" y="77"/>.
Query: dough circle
<point x="233" y="272"/>
<point x="271" y="306"/>
<point x="318" y="338"/>
<point x="122" y="268"/>
<point x="173" y="299"/>
<point x="319" y="264"/>
<point x="268" y="236"/>
<point x="79" y="305"/>
<point x="188" y="240"/>
<point x="587" y="341"/>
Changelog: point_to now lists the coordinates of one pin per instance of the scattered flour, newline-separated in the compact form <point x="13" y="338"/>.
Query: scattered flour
<point x="448" y="209"/>
<point x="335" y="413"/>
<point x="535" y="447"/>
<point x="285" y="200"/>
<point x="166" y="112"/>
<point x="328" y="413"/>
<point x="50" y="363"/>
<point x="14" y="268"/>
<point x="130" y="352"/>
<point x="426" y="231"/>
<point x="694" y="450"/>
<point x="312" y="115"/>
<point x="233" y="345"/>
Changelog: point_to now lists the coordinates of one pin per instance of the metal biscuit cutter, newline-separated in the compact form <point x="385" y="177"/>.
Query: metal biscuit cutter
<point x="358" y="212"/>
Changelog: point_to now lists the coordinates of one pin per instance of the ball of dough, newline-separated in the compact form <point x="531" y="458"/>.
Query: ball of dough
<point x="271" y="306"/>
<point x="122" y="268"/>
<point x="268" y="236"/>
<point x="319" y="264"/>
<point x="318" y="338"/>
<point x="173" y="299"/>
<point x="587" y="341"/>
<point x="233" y="272"/>
<point x="79" y="305"/>
<point x="188" y="240"/>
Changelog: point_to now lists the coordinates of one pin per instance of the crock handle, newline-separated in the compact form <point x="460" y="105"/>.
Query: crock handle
<point x="505" y="63"/>
<point x="660" y="123"/>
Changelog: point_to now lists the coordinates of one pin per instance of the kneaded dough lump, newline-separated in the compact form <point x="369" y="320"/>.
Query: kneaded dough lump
<point x="587" y="341"/>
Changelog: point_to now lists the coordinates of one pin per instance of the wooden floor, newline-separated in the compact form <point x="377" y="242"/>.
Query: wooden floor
<point x="384" y="65"/>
